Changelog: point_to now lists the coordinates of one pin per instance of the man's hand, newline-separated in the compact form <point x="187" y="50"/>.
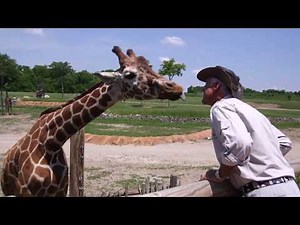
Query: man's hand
<point x="210" y="175"/>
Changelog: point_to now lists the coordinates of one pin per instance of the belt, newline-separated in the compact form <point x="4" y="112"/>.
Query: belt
<point x="259" y="184"/>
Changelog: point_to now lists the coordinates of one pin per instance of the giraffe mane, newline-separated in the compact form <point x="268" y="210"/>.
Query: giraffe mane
<point x="53" y="109"/>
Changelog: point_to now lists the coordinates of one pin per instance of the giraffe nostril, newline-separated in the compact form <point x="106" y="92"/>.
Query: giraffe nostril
<point x="129" y="75"/>
<point x="170" y="85"/>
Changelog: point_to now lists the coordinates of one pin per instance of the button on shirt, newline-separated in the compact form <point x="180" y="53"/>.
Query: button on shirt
<point x="244" y="137"/>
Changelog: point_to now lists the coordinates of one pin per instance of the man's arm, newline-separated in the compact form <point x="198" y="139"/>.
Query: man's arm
<point x="218" y="175"/>
<point x="285" y="143"/>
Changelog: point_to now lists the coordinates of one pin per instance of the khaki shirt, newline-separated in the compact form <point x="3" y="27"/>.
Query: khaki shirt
<point x="244" y="137"/>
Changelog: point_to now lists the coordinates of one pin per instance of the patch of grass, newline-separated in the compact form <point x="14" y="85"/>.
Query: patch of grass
<point x="95" y="173"/>
<point x="132" y="182"/>
<point x="177" y="167"/>
<point x="142" y="128"/>
<point x="191" y="108"/>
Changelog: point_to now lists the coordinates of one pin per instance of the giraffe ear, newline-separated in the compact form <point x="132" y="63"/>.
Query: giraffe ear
<point x="107" y="75"/>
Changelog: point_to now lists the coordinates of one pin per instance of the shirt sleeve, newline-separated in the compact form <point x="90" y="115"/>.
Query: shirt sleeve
<point x="285" y="143"/>
<point x="233" y="135"/>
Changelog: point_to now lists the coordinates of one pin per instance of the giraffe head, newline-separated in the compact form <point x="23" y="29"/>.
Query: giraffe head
<point x="138" y="80"/>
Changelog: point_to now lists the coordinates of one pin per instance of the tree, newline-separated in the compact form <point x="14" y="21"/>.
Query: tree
<point x="170" y="68"/>
<point x="58" y="71"/>
<point x="8" y="74"/>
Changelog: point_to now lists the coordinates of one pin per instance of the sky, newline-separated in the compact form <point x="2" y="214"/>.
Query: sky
<point x="263" y="58"/>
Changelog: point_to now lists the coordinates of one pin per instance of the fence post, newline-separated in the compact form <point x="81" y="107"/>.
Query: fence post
<point x="173" y="181"/>
<point x="77" y="164"/>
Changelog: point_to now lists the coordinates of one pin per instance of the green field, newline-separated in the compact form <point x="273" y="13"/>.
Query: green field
<point x="162" y="117"/>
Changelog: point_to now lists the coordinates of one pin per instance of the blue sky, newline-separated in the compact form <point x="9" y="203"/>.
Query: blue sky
<point x="264" y="58"/>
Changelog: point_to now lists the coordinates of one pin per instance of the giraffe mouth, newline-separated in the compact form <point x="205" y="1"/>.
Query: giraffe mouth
<point x="176" y="97"/>
<point x="173" y="96"/>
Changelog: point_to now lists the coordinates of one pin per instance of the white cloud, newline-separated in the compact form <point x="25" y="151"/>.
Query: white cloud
<point x="35" y="31"/>
<point x="173" y="41"/>
<point x="164" y="59"/>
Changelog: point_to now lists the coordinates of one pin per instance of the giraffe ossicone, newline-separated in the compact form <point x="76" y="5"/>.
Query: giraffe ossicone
<point x="36" y="165"/>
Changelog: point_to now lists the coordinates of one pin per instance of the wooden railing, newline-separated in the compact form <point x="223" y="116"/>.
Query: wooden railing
<point x="205" y="188"/>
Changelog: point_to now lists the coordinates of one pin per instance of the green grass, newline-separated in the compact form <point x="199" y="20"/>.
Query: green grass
<point x="141" y="128"/>
<point x="190" y="108"/>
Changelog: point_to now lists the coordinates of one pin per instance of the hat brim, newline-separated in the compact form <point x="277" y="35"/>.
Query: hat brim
<point x="214" y="72"/>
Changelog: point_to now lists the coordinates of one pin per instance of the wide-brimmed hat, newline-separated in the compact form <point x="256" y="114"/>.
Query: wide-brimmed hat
<point x="230" y="79"/>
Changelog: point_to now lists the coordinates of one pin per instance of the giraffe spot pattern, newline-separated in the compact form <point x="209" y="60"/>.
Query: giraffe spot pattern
<point x="61" y="136"/>
<point x="69" y="128"/>
<point x="77" y="107"/>
<point x="66" y="113"/>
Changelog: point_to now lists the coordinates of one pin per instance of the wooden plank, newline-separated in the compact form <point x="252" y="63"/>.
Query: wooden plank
<point x="77" y="164"/>
<point x="196" y="189"/>
<point x="205" y="188"/>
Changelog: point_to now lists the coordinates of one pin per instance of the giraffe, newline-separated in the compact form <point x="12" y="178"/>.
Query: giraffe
<point x="8" y="104"/>
<point x="36" y="165"/>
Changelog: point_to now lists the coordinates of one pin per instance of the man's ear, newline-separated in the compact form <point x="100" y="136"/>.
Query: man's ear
<point x="216" y="85"/>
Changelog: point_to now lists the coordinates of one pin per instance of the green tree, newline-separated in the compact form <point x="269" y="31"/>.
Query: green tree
<point x="25" y="81"/>
<point x="41" y="73"/>
<point x="170" y="68"/>
<point x="59" y="70"/>
<point x="80" y="81"/>
<point x="8" y="74"/>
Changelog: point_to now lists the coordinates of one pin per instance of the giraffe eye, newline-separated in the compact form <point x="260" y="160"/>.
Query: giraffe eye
<point x="129" y="75"/>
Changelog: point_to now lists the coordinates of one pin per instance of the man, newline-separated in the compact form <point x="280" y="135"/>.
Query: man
<point x="248" y="147"/>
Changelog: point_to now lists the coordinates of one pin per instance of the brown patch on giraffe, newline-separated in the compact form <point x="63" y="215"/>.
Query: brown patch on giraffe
<point x="47" y="159"/>
<point x="23" y="156"/>
<point x="51" y="144"/>
<point x="61" y="158"/>
<point x="91" y="102"/>
<point x="43" y="136"/>
<point x="95" y="111"/>
<point x="33" y="145"/>
<point x="77" y="120"/>
<point x="25" y="143"/>
<point x="43" y="172"/>
<point x="96" y="93"/>
<point x="69" y="128"/>
<point x="102" y="90"/>
<point x="84" y="99"/>
<point x="51" y="129"/>
<point x="34" y="184"/>
<point x="104" y="100"/>
<point x="85" y="116"/>
<point x="61" y="136"/>
<point x="37" y="154"/>
<point x="42" y="121"/>
<point x="59" y="120"/>
<point x="49" y="117"/>
<point x="77" y="107"/>
<point x="36" y="134"/>
<point x="58" y="171"/>
<point x="66" y="113"/>
<point x="41" y="192"/>
<point x="21" y="179"/>
<point x="27" y="169"/>
<point x="52" y="189"/>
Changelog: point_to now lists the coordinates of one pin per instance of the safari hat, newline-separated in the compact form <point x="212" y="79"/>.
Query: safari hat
<point x="230" y="79"/>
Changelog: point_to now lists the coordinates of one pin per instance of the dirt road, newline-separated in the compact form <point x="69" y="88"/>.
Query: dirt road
<point x="111" y="167"/>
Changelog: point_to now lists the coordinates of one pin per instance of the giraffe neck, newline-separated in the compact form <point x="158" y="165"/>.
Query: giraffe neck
<point x="63" y="123"/>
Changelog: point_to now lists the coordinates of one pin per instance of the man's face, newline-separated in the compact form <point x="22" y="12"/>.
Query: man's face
<point x="209" y="92"/>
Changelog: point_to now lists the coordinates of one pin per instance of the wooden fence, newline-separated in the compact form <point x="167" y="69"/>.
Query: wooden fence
<point x="77" y="164"/>
<point x="149" y="187"/>
<point x="206" y="189"/>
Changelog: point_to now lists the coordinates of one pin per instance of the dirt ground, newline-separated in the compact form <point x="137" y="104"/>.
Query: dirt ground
<point x="109" y="166"/>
